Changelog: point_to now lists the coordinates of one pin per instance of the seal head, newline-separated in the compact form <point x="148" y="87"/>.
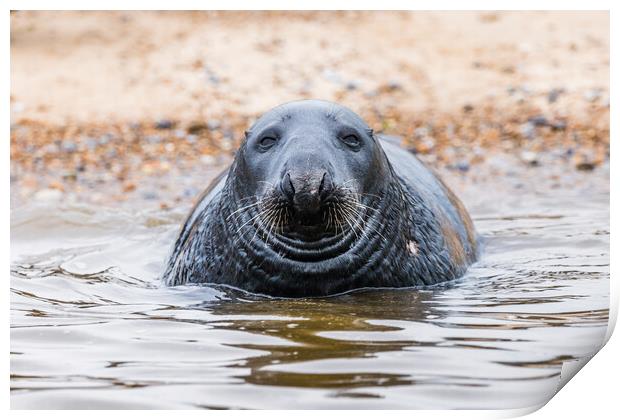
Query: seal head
<point x="306" y="167"/>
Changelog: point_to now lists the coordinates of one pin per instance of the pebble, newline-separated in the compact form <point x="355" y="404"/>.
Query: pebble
<point x="558" y="125"/>
<point x="69" y="176"/>
<point x="331" y="76"/>
<point x="207" y="159"/>
<point x="50" y="148"/>
<point x="190" y="192"/>
<point x="593" y="95"/>
<point x="196" y="127"/>
<point x="91" y="143"/>
<point x="105" y="139"/>
<point x="18" y="107"/>
<point x="528" y="130"/>
<point x="352" y="85"/>
<point x="211" y="76"/>
<point x="585" y="162"/>
<point x="529" y="157"/>
<point x="554" y="94"/>
<point x="150" y="195"/>
<point x="539" y="120"/>
<point x="129" y="186"/>
<point x="394" y="85"/>
<point x="226" y="144"/>
<point x="542" y="121"/>
<point x="427" y="144"/>
<point x="164" y="124"/>
<point x="421" y="132"/>
<point x="48" y="195"/>
<point x="585" y="166"/>
<point x="213" y="124"/>
<point x="68" y="146"/>
<point x="462" y="166"/>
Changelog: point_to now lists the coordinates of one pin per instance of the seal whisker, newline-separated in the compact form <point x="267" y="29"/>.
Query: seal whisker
<point x="260" y="225"/>
<point x="279" y="218"/>
<point x="271" y="221"/>
<point x="362" y="206"/>
<point x="329" y="218"/>
<point x="243" y="225"/>
<point x="249" y="197"/>
<point x="370" y="195"/>
<point x="354" y="216"/>
<point x="252" y="220"/>
<point x="338" y="222"/>
<point x="243" y="208"/>
<point x="352" y="228"/>
<point x="349" y="220"/>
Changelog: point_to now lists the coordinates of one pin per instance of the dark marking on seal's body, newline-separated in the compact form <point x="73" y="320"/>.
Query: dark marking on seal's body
<point x="316" y="204"/>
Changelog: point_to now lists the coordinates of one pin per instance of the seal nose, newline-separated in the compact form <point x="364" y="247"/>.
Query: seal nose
<point x="307" y="190"/>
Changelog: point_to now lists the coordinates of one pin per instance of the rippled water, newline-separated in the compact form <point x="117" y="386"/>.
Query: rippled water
<point x="91" y="326"/>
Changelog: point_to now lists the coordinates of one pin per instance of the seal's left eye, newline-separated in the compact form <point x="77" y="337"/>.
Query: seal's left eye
<point x="351" y="140"/>
<point x="267" y="141"/>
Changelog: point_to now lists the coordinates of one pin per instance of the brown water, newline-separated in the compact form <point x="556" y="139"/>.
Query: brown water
<point x="92" y="327"/>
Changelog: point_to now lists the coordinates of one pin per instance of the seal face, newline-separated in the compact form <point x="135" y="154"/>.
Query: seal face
<point x="315" y="204"/>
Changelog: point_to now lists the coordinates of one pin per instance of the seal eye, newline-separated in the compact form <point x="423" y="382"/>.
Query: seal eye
<point x="351" y="140"/>
<point x="267" y="141"/>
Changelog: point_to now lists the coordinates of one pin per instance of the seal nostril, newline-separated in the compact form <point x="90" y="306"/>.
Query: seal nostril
<point x="322" y="183"/>
<point x="326" y="184"/>
<point x="290" y="184"/>
<point x="287" y="187"/>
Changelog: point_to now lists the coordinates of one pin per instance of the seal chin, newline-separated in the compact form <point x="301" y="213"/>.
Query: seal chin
<point x="308" y="231"/>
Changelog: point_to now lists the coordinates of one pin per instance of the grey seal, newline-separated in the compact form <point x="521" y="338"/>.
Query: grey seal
<point x="316" y="204"/>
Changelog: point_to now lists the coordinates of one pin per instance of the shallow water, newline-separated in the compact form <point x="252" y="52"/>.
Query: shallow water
<point x="91" y="326"/>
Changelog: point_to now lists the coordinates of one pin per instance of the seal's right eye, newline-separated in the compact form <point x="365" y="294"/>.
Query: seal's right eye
<point x="267" y="141"/>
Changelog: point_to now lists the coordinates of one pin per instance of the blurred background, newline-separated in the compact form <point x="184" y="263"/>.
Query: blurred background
<point x="118" y="107"/>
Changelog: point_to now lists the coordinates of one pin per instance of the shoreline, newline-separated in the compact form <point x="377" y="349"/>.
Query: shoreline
<point x="169" y="162"/>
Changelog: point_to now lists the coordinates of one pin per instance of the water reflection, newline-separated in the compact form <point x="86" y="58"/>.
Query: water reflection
<point x="306" y="325"/>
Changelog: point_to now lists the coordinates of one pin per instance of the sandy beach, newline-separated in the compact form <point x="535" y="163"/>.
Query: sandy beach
<point x="107" y="104"/>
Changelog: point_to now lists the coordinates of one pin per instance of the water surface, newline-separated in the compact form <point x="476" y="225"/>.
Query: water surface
<point x="92" y="327"/>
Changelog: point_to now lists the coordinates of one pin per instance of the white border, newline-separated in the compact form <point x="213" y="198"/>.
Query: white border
<point x="592" y="394"/>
